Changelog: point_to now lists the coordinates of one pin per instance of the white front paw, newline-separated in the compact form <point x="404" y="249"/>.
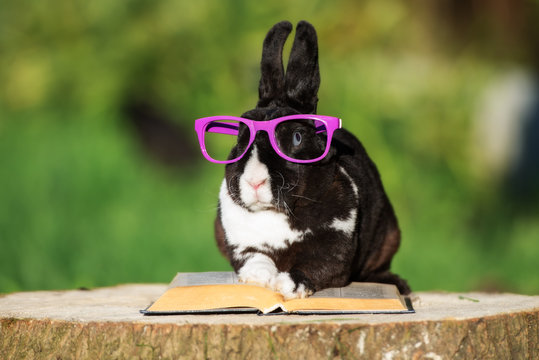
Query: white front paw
<point x="284" y="284"/>
<point x="258" y="270"/>
<point x="259" y="276"/>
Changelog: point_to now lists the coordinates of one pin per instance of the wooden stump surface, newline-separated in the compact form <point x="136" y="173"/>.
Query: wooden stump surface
<point x="105" y="323"/>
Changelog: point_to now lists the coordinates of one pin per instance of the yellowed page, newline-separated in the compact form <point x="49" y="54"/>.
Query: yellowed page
<point x="211" y="297"/>
<point x="357" y="296"/>
<point x="344" y="304"/>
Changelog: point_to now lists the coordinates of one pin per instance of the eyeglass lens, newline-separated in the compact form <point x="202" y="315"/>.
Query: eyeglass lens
<point x="301" y="139"/>
<point x="220" y="137"/>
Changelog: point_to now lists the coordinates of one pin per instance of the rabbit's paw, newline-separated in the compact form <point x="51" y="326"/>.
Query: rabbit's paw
<point x="284" y="284"/>
<point x="259" y="270"/>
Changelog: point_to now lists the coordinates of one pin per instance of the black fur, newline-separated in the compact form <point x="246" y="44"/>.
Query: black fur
<point x="316" y="194"/>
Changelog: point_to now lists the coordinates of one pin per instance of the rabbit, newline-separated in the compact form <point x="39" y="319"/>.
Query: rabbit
<point x="299" y="228"/>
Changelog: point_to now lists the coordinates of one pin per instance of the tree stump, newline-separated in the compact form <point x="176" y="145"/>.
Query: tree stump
<point x="105" y="323"/>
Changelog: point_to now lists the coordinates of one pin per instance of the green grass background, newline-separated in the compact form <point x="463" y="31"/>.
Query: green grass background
<point x="82" y="205"/>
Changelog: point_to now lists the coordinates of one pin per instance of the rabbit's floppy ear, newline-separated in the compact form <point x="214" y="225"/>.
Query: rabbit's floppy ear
<point x="302" y="74"/>
<point x="272" y="79"/>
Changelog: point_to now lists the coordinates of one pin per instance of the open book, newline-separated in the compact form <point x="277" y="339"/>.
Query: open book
<point x="221" y="292"/>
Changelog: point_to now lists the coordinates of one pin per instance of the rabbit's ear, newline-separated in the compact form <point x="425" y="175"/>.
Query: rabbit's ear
<point x="302" y="74"/>
<point x="272" y="80"/>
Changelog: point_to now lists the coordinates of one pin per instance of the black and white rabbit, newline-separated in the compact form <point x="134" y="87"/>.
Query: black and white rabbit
<point x="298" y="228"/>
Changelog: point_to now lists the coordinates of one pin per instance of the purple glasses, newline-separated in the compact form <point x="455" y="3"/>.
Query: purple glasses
<point x="296" y="138"/>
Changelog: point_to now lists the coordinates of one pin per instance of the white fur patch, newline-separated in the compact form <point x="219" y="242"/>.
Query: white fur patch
<point x="255" y="173"/>
<point x="258" y="269"/>
<point x="352" y="183"/>
<point x="347" y="225"/>
<point x="284" y="284"/>
<point x="256" y="229"/>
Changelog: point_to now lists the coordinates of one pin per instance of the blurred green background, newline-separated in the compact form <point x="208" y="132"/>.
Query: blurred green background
<point x="92" y="193"/>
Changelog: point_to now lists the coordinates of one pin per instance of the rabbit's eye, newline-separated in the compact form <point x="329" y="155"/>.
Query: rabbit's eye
<point x="296" y="138"/>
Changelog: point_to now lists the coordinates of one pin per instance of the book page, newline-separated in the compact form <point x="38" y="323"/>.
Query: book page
<point x="370" y="290"/>
<point x="204" y="278"/>
<point x="360" y="290"/>
<point x="212" y="297"/>
<point x="354" y="297"/>
<point x="344" y="305"/>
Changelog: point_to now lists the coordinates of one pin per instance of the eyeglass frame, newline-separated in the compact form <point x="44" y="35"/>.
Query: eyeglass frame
<point x="330" y="122"/>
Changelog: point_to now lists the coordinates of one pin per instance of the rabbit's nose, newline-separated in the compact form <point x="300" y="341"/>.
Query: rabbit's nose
<point x="256" y="184"/>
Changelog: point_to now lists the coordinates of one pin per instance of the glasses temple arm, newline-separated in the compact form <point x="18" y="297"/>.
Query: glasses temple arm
<point x="223" y="128"/>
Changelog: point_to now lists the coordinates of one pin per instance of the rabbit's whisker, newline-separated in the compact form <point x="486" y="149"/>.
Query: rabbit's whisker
<point x="288" y="210"/>
<point x="305" y="197"/>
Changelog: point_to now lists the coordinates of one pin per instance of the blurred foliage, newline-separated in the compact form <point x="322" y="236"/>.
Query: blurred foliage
<point x="83" y="205"/>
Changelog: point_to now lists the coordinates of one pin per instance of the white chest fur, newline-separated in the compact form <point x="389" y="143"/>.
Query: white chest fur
<point x="256" y="229"/>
